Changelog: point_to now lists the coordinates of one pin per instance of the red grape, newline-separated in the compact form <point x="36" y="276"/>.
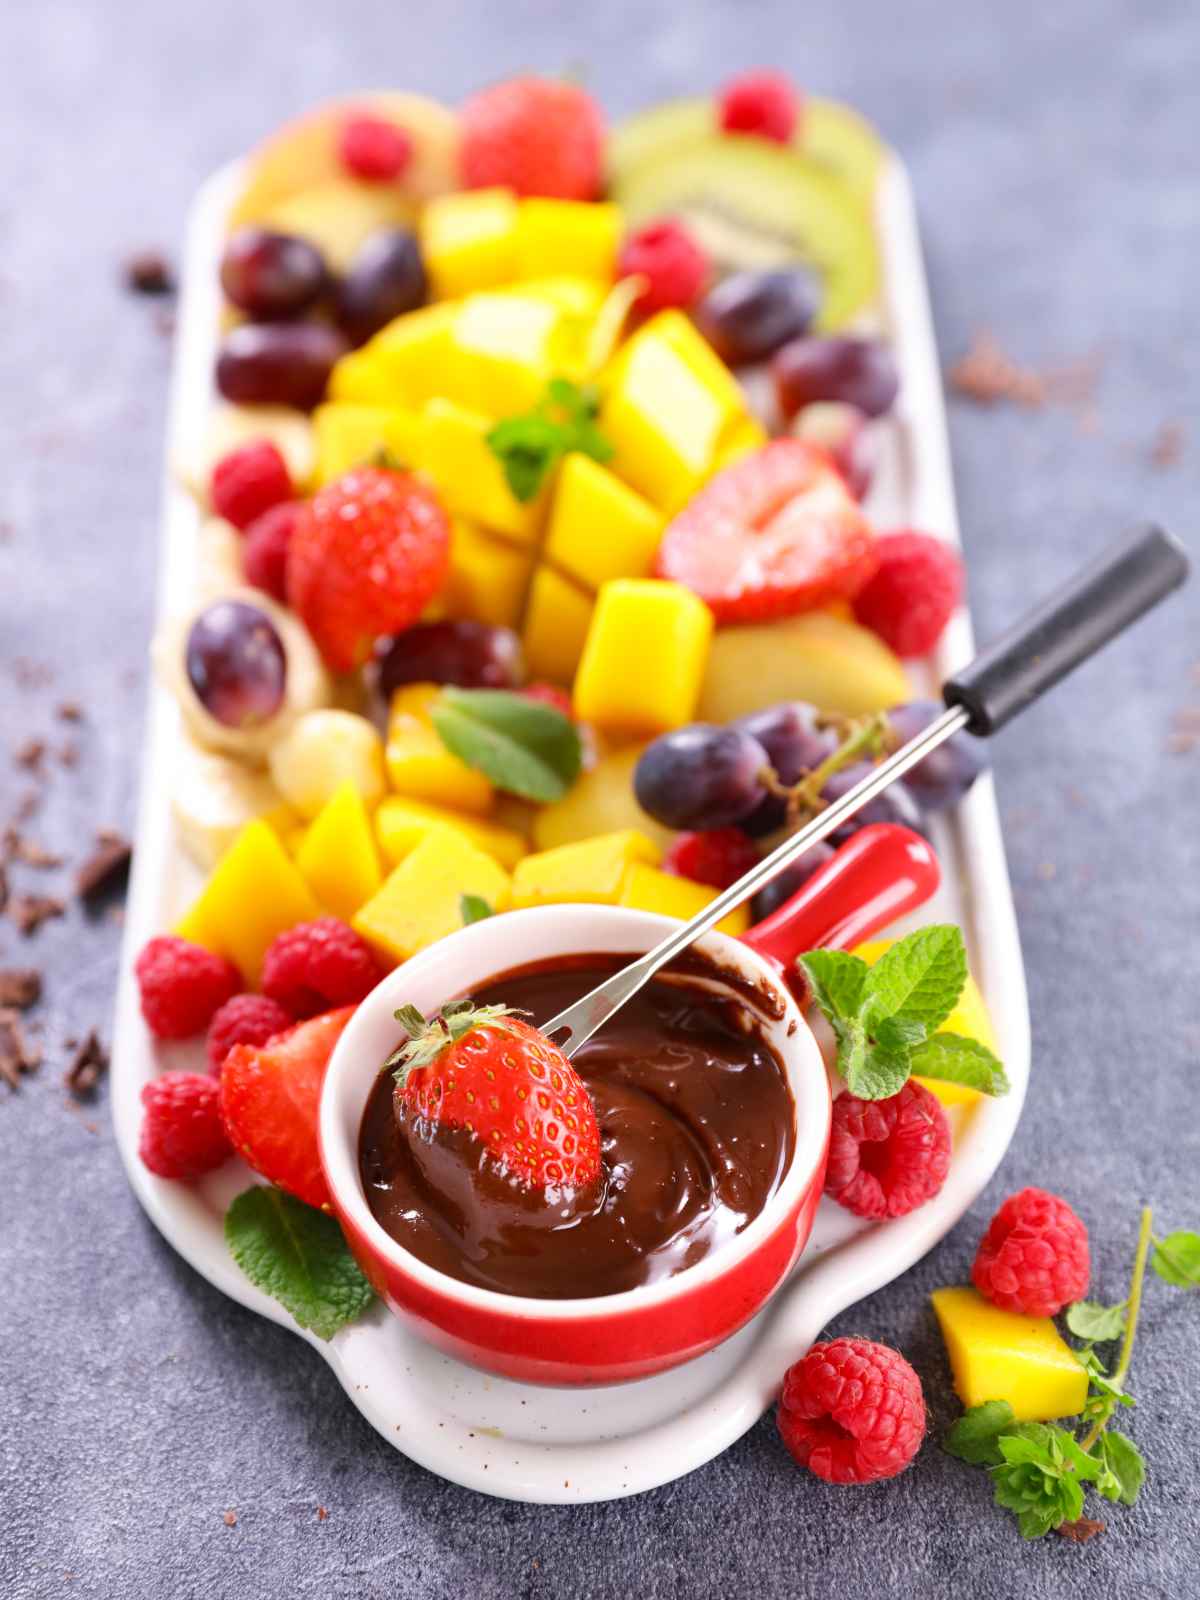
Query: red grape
<point x="278" y="363"/>
<point x="236" y="664"/>
<point x="748" y="315"/>
<point x="895" y="804"/>
<point x="941" y="780"/>
<point x="860" y="372"/>
<point x="386" y="279"/>
<point x="472" y="655"/>
<point x="701" y="776"/>
<point x="271" y="276"/>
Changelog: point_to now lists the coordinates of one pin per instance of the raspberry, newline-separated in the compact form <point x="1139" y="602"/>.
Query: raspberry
<point x="535" y="135"/>
<point x="665" y="254"/>
<point x="1034" y="1257"/>
<point x="182" y="986"/>
<point x="717" y="856"/>
<point x="246" y="1019"/>
<point x="550" y="695"/>
<point x="249" y="480"/>
<point x="182" y="1133"/>
<point x="852" y="1411"/>
<point x="760" y="102"/>
<point x="318" y="965"/>
<point x="265" y="552"/>
<point x="373" y="149"/>
<point x="887" y="1157"/>
<point x="913" y="593"/>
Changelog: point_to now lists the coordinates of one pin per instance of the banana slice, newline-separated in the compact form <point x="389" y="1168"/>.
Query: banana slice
<point x="230" y="425"/>
<point x="213" y="798"/>
<point x="218" y="560"/>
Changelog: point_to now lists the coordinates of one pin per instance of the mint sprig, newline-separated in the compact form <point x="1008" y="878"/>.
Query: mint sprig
<point x="885" y="1017"/>
<point x="531" y="445"/>
<point x="523" y="746"/>
<point x="299" y="1255"/>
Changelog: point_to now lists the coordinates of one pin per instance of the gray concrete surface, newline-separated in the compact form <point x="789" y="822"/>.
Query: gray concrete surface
<point x="1054" y="156"/>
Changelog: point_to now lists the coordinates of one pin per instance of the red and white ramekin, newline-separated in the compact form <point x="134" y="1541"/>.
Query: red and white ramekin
<point x="881" y="873"/>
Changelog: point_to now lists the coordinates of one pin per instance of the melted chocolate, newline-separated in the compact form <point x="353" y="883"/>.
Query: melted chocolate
<point x="697" y="1128"/>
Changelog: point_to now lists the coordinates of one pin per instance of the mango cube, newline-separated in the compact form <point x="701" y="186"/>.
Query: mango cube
<point x="421" y="900"/>
<point x="644" y="659"/>
<point x="337" y="855"/>
<point x="599" y="527"/>
<point x="418" y="763"/>
<point x="663" y="421"/>
<point x="567" y="236"/>
<point x="254" y="893"/>
<point x="469" y="240"/>
<point x="401" y="365"/>
<point x="557" y="619"/>
<point x="678" y="330"/>
<point x="592" y="871"/>
<point x="501" y="355"/>
<point x="401" y="824"/>
<point x="350" y="435"/>
<point x="999" y="1355"/>
<point x="454" y="452"/>
<point x="361" y="379"/>
<point x="487" y="579"/>
<point x="648" y="889"/>
<point x="578" y="297"/>
<point x="742" y="438"/>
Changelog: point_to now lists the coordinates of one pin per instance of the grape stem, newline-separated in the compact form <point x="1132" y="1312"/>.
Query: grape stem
<point x="865" y="736"/>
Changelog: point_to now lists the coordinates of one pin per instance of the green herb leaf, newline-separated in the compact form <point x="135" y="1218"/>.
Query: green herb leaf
<point x="1123" y="1469"/>
<point x="1176" y="1259"/>
<point x="836" y="980"/>
<point x="1087" y="1319"/>
<point x="531" y="445"/>
<point x="918" y="980"/>
<point x="876" y="1073"/>
<point x="953" y="1058"/>
<point x="524" y="746"/>
<point x="974" y="1436"/>
<point x="1037" y="1477"/>
<point x="300" y="1256"/>
<point x="474" y="908"/>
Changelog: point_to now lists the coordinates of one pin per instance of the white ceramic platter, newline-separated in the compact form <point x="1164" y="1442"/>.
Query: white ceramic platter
<point x="546" y="1445"/>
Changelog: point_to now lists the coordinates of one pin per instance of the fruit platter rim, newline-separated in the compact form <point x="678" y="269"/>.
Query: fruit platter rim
<point x="657" y="1429"/>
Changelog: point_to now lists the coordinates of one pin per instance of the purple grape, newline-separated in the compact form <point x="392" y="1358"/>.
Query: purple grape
<point x="235" y="662"/>
<point x="748" y="315"/>
<point x="795" y="745"/>
<point x="784" y="886"/>
<point x="895" y="804"/>
<point x="943" y="778"/>
<point x="386" y="279"/>
<point x="472" y="655"/>
<point x="700" y="777"/>
<point x="271" y="276"/>
<point x="842" y="432"/>
<point x="278" y="363"/>
<point x="859" y="372"/>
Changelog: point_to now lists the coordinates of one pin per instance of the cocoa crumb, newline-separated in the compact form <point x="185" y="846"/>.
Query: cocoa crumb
<point x="148" y="272"/>
<point x="1081" y="1530"/>
<point x="322" y="1514"/>
<point x="29" y="754"/>
<point x="1182" y="744"/>
<point x="1167" y="447"/>
<point x="164" y="322"/>
<point x="987" y="374"/>
<point x="31" y="674"/>
<point x="230" y="1519"/>
<point x="18" y="1055"/>
<point x="33" y="854"/>
<point x="69" y="711"/>
<point x="68" y="755"/>
<point x="27" y="805"/>
<point x="3" y="887"/>
<point x="20" y="988"/>
<point x="29" y="911"/>
<point x="87" y="1066"/>
<point x="106" y="869"/>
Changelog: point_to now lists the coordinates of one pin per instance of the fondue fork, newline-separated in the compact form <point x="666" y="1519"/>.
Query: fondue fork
<point x="1076" y="621"/>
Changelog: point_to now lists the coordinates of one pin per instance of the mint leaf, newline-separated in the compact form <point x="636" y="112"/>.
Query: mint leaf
<point x="875" y="1072"/>
<point x="474" y="908"/>
<point x="528" y="448"/>
<point x="1176" y="1259"/>
<point x="836" y="980"/>
<point x="1089" y="1320"/>
<point x="300" y="1256"/>
<point x="918" y="980"/>
<point x="1124" y="1468"/>
<point x="953" y="1058"/>
<point x="1037" y="1478"/>
<point x="524" y="746"/>
<point x="974" y="1436"/>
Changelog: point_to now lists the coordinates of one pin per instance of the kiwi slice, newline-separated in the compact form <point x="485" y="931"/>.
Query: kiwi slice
<point x="753" y="204"/>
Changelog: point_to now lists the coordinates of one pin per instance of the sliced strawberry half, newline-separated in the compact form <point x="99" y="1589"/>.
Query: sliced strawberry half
<point x="774" y="534"/>
<point x="269" y="1099"/>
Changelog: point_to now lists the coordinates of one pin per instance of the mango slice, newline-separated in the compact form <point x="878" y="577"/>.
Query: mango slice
<point x="572" y="237"/>
<point x="648" y="889"/>
<point x="470" y="479"/>
<point x="501" y="352"/>
<point x="488" y="577"/>
<point x="351" y="435"/>
<point x="663" y="420"/>
<point x="599" y="527"/>
<point x="644" y="658"/>
<point x="401" y="824"/>
<point x="421" y="901"/>
<point x="401" y="365"/>
<point x="557" y="618"/>
<point x="998" y="1355"/>
<point x="337" y="855"/>
<point x="590" y="872"/>
<point x="418" y="763"/>
<point x="469" y="241"/>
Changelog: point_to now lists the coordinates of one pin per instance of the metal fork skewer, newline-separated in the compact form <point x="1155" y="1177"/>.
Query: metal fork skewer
<point x="581" y="1020"/>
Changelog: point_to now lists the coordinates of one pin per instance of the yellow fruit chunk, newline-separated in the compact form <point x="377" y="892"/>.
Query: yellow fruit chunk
<point x="592" y="871"/>
<point x="663" y="421"/>
<point x="454" y="452"/>
<point x="487" y="579"/>
<point x="969" y="1018"/>
<point x="644" y="658"/>
<point x="361" y="379"/>
<point x="599" y="527"/>
<point x="835" y="665"/>
<point x="337" y="855"/>
<point x="742" y="438"/>
<point x="319" y="752"/>
<point x="469" y="241"/>
<point x="648" y="889"/>
<point x="567" y="236"/>
<point x="501" y="355"/>
<point x="418" y="763"/>
<point x="254" y="893"/>
<point x="557" y="619"/>
<point x="349" y="435"/>
<point x="999" y="1355"/>
<point x="601" y="800"/>
<point x="578" y="297"/>
<point x="401" y="365"/>
<point x="678" y="330"/>
<point x="338" y="216"/>
<point x="401" y="824"/>
<point x="213" y="797"/>
<point x="421" y="900"/>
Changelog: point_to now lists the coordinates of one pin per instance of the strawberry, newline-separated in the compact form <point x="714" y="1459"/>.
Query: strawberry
<point x="535" y="135"/>
<point x="367" y="554"/>
<point x="269" y="1099"/>
<point x="776" y="533"/>
<point x="484" y="1069"/>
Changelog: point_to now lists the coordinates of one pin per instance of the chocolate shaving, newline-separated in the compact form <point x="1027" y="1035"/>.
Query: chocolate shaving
<point x="230" y="1519"/>
<point x="322" y="1514"/>
<point x="33" y="855"/>
<point x="3" y="887"/>
<point x="20" y="988"/>
<point x="68" y="755"/>
<point x="1081" y="1530"/>
<point x="987" y="374"/>
<point x="70" y="711"/>
<point x="29" y="754"/>
<point x="149" y="272"/>
<point x="1168" y="445"/>
<point x="29" y="911"/>
<point x="106" y="869"/>
<point x="27" y="805"/>
<point x="87" y="1066"/>
<point x="18" y="1055"/>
